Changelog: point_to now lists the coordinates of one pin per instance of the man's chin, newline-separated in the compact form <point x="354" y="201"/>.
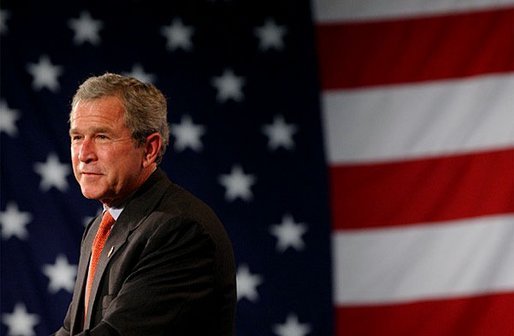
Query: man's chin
<point x="91" y="194"/>
<point x="91" y="197"/>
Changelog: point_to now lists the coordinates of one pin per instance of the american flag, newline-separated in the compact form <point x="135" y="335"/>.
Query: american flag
<point x="359" y="153"/>
<point x="418" y="118"/>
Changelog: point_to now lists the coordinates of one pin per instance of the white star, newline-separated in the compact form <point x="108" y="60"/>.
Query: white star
<point x="139" y="73"/>
<point x="247" y="283"/>
<point x="13" y="222"/>
<point x="44" y="74"/>
<point x="53" y="173"/>
<point x="8" y="119"/>
<point x="86" y="29"/>
<point x="237" y="184"/>
<point x="229" y="86"/>
<point x="270" y="35"/>
<point x="289" y="233"/>
<point x="61" y="275"/>
<point x="279" y="133"/>
<point x="20" y="322"/>
<point x="4" y="15"/>
<point x="292" y="327"/>
<point x="187" y="134"/>
<point x="178" y="35"/>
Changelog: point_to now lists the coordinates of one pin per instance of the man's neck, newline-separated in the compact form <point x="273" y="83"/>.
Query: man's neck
<point x="119" y="202"/>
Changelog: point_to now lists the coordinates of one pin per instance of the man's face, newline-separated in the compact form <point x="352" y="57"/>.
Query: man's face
<point x="106" y="162"/>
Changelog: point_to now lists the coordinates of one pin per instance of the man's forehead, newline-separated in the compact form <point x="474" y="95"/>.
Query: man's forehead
<point x="108" y="109"/>
<point x="98" y="103"/>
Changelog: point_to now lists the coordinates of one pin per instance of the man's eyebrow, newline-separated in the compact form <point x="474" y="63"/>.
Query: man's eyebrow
<point x="91" y="130"/>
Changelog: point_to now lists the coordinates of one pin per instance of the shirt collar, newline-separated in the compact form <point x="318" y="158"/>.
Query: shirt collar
<point x="115" y="212"/>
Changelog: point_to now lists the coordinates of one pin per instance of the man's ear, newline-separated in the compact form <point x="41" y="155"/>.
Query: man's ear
<point x="152" y="149"/>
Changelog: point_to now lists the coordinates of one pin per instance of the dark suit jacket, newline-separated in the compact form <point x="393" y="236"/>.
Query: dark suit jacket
<point x="167" y="268"/>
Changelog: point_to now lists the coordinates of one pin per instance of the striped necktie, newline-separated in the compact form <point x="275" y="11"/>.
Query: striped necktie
<point x="98" y="244"/>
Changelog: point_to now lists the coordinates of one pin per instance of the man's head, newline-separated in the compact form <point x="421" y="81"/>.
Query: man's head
<point x="119" y="133"/>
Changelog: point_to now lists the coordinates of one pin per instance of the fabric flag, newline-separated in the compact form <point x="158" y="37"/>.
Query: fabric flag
<point x="242" y="87"/>
<point x="418" y="113"/>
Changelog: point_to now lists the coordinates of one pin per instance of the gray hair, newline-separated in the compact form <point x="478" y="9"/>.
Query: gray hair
<point x="145" y="105"/>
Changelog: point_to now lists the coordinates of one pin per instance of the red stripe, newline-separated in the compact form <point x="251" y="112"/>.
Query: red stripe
<point x="413" y="50"/>
<point x="483" y="315"/>
<point x="429" y="190"/>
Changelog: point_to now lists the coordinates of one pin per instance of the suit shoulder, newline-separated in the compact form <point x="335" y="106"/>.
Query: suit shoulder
<point x="181" y="201"/>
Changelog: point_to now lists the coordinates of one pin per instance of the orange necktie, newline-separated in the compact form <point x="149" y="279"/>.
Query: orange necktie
<point x="98" y="244"/>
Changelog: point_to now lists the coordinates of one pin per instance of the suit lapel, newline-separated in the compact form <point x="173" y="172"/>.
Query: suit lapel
<point x="80" y="283"/>
<point x="135" y="212"/>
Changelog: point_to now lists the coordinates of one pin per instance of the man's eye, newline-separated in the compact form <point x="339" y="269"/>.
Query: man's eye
<point x="76" y="137"/>
<point x="102" y="137"/>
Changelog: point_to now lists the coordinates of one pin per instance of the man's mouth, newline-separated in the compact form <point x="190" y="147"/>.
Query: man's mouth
<point x="91" y="173"/>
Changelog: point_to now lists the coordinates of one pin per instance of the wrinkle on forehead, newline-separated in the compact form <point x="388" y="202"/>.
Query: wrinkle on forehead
<point x="106" y="110"/>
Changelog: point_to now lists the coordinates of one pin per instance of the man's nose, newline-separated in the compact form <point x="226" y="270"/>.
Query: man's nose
<point x="87" y="152"/>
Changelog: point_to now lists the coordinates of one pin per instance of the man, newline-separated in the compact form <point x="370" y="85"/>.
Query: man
<point x="158" y="261"/>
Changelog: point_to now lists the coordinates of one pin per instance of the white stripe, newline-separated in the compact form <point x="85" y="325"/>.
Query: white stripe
<point x="421" y="262"/>
<point x="327" y="11"/>
<point x="409" y="121"/>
